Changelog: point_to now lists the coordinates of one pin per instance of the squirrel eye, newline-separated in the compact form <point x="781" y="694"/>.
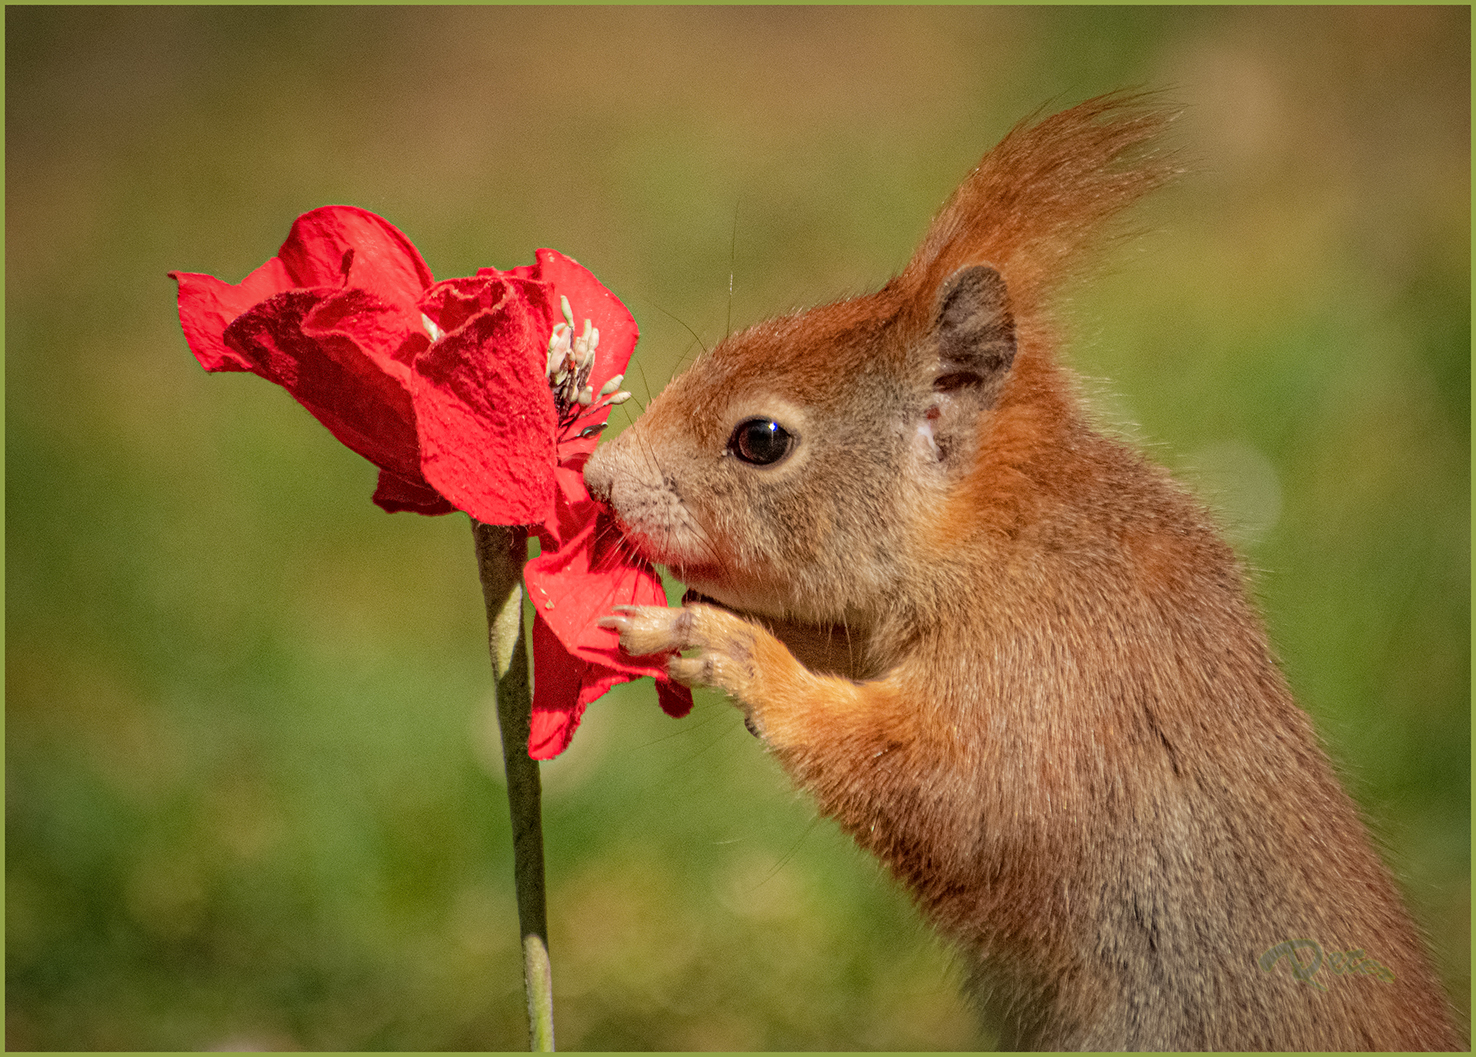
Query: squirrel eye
<point x="760" y="441"/>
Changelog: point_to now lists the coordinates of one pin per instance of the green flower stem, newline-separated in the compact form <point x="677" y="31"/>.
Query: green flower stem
<point x="501" y="552"/>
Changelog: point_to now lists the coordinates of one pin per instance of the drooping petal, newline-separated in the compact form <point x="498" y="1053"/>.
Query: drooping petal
<point x="396" y="494"/>
<point x="484" y="412"/>
<point x="584" y="570"/>
<point x="331" y="375"/>
<point x="571" y="588"/>
<point x="563" y="686"/>
<point x="577" y="584"/>
<point x="674" y="698"/>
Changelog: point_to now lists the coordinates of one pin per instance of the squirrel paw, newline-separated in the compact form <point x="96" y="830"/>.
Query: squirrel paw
<point x="722" y="644"/>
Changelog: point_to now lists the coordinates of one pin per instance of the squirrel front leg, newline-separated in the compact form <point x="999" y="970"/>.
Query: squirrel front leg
<point x="794" y="710"/>
<point x="856" y="746"/>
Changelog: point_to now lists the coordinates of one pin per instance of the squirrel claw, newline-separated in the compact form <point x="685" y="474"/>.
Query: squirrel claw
<point x="645" y="630"/>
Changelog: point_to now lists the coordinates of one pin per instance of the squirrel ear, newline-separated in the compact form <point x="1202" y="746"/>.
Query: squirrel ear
<point x="974" y="344"/>
<point x="975" y="332"/>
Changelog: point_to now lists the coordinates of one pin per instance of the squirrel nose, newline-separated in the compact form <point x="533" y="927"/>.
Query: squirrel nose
<point x="597" y="476"/>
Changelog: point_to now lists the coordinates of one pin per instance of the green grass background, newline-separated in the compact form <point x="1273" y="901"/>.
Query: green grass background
<point x="248" y="793"/>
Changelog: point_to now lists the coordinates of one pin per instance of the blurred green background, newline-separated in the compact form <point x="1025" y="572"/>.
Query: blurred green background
<point x="249" y="799"/>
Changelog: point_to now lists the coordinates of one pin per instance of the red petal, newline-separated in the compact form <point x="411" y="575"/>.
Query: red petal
<point x="207" y="306"/>
<point x="590" y="300"/>
<point x="556" y="706"/>
<point x="388" y="334"/>
<point x="576" y="584"/>
<point x="572" y="586"/>
<point x="574" y="510"/>
<point x="396" y="494"/>
<point x="551" y="732"/>
<point x="485" y="414"/>
<point x="330" y="374"/>
<point x="564" y="686"/>
<point x="383" y="262"/>
<point x="674" y="698"/>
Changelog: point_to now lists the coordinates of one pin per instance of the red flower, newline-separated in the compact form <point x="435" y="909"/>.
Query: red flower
<point x="453" y="391"/>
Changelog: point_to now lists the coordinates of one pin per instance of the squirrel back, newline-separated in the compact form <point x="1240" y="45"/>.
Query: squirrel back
<point x="1008" y="655"/>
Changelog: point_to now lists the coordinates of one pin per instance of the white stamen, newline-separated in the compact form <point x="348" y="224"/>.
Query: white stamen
<point x="435" y="332"/>
<point x="558" y="352"/>
<point x="571" y="360"/>
<point x="584" y="347"/>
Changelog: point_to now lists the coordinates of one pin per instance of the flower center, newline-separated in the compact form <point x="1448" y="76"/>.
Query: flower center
<point x="570" y="362"/>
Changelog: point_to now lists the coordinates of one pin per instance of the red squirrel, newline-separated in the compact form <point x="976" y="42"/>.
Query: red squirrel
<point x="1007" y="654"/>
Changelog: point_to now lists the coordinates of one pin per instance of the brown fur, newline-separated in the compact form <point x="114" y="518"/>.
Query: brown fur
<point x="1032" y="683"/>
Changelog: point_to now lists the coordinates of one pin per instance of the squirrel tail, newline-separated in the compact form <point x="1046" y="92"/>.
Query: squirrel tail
<point x="1040" y="199"/>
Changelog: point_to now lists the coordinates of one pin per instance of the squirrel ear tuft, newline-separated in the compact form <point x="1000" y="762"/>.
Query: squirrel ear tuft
<point x="974" y="332"/>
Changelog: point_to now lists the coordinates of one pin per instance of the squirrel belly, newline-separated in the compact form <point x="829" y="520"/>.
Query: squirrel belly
<point x="1010" y="657"/>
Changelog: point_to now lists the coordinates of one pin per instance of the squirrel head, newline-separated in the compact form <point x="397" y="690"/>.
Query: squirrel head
<point x="806" y="468"/>
<point x="777" y="475"/>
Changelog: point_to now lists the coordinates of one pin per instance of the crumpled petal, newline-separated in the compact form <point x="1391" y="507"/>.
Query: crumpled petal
<point x="383" y="262"/>
<point x="485" y="418"/>
<point x="310" y="345"/>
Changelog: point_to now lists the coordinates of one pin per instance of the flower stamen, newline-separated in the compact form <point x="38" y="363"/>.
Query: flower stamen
<point x="569" y="364"/>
